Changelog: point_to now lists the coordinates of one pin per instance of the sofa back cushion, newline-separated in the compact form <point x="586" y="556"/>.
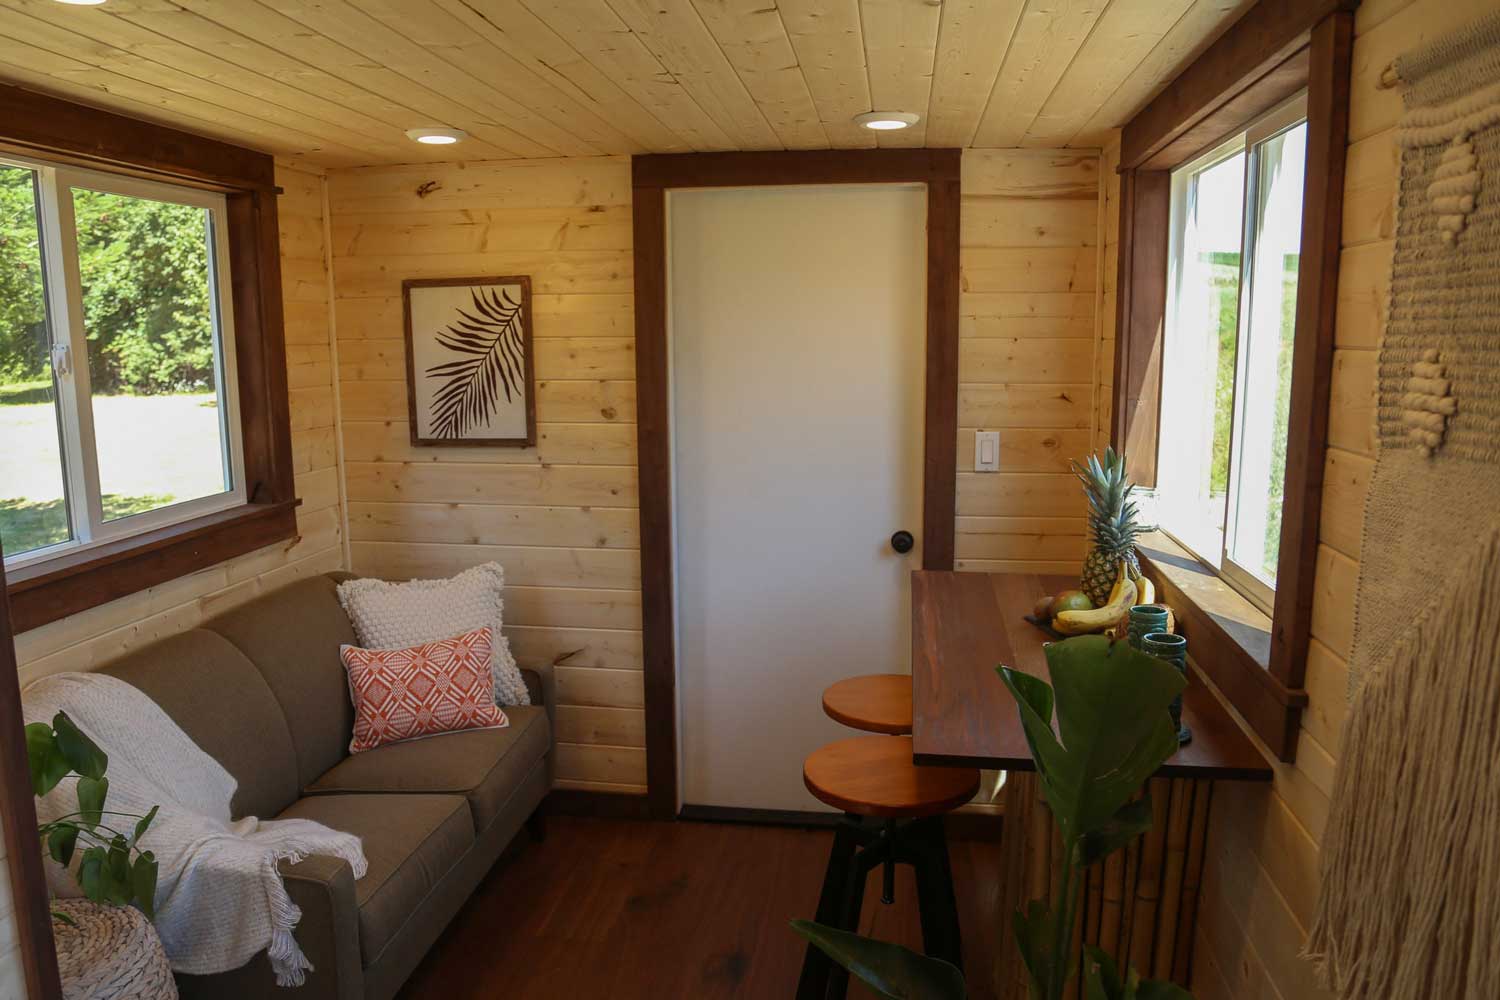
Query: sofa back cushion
<point x="292" y="635"/>
<point x="223" y="703"/>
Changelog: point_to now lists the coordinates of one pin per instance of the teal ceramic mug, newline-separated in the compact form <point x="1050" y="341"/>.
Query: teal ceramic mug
<point x="1145" y="619"/>
<point x="1173" y="649"/>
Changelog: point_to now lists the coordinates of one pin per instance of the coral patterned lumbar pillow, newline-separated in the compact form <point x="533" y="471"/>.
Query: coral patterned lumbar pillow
<point x="405" y="694"/>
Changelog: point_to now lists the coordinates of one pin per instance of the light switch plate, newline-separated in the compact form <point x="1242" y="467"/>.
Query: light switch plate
<point x="986" y="451"/>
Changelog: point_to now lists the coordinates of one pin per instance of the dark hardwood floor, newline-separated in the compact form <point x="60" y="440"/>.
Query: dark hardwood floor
<point x="636" y="910"/>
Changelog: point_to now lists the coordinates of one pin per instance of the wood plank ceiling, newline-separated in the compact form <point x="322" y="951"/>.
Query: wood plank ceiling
<point x="337" y="82"/>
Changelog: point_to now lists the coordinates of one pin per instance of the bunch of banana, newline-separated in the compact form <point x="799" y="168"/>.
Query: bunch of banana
<point x="1128" y="591"/>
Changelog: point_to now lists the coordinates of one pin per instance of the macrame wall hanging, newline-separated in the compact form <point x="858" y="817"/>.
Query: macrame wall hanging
<point x="1411" y="857"/>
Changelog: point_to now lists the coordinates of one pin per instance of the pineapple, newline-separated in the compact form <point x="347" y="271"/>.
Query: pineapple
<point x="1112" y="522"/>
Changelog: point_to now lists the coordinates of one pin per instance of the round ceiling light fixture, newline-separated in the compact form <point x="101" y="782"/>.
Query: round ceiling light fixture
<point x="886" y="121"/>
<point x="436" y="136"/>
<point x="81" y="3"/>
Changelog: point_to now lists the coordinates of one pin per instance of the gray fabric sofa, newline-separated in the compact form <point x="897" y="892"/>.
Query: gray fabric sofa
<point x="261" y="688"/>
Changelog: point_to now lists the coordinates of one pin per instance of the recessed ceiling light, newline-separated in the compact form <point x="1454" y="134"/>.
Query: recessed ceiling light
<point x="82" y="3"/>
<point x="887" y="121"/>
<point x="436" y="136"/>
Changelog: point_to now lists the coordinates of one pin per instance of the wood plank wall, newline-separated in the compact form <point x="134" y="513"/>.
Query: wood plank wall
<point x="560" y="517"/>
<point x="1260" y="883"/>
<point x="1030" y="239"/>
<point x="86" y="640"/>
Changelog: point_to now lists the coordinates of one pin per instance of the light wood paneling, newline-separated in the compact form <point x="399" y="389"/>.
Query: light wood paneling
<point x="337" y="82"/>
<point x="560" y="517"/>
<point x="1030" y="248"/>
<point x="1261" y="878"/>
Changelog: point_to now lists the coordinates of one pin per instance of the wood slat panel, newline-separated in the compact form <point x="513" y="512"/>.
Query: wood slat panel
<point x="571" y="315"/>
<point x="1028" y="450"/>
<point x="1045" y="42"/>
<point x="524" y="566"/>
<point x="557" y="444"/>
<point x="486" y="524"/>
<point x="1047" y="406"/>
<point x="339" y="81"/>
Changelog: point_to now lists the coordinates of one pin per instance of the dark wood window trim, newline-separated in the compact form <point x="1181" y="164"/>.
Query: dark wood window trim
<point x="28" y="882"/>
<point x="652" y="177"/>
<point x="61" y="130"/>
<point x="1278" y="48"/>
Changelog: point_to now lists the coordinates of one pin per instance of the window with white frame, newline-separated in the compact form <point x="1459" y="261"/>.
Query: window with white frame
<point x="1236" y="218"/>
<point x="117" y="378"/>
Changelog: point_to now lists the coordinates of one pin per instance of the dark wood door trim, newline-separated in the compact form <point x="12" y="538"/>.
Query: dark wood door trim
<point x="652" y="177"/>
<point x="28" y="882"/>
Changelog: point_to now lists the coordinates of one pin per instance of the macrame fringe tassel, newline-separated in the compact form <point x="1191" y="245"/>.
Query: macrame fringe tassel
<point x="1410" y="862"/>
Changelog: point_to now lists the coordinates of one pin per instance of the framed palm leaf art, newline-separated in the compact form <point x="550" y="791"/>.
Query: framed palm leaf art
<point x="469" y="372"/>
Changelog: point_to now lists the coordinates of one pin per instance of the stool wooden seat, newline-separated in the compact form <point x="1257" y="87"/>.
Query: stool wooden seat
<point x="875" y="776"/>
<point x="875" y="703"/>
<point x="893" y="814"/>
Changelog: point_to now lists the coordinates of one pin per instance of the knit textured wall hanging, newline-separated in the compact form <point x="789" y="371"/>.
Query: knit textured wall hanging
<point x="1411" y="856"/>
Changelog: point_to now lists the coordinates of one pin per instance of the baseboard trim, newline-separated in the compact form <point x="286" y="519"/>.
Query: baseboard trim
<point x="603" y="805"/>
<point x="974" y="826"/>
<point x="758" y="817"/>
<point x="959" y="825"/>
<point x="611" y="805"/>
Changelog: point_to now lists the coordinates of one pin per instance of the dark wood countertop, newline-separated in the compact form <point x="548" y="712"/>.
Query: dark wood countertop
<point x="964" y="625"/>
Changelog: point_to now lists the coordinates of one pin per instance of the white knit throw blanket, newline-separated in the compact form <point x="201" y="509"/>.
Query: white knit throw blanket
<point x="219" y="895"/>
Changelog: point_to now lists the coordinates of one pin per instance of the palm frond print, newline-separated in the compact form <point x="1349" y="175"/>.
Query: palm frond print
<point x="489" y="340"/>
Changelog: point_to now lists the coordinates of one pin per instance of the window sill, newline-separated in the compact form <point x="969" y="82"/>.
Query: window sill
<point x="54" y="588"/>
<point x="1229" y="639"/>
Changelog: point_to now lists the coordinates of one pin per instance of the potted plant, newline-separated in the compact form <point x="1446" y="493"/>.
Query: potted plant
<point x="1111" y="703"/>
<point x="111" y="868"/>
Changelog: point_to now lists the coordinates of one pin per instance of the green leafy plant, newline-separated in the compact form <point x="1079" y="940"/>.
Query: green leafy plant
<point x="111" y="869"/>
<point x="1113" y="732"/>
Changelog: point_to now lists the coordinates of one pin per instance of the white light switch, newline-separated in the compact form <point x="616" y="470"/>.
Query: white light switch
<point x="987" y="451"/>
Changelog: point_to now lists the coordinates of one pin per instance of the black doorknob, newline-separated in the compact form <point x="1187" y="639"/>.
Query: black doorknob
<point x="902" y="542"/>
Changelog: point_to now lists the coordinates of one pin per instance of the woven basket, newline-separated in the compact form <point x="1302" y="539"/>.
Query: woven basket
<point x="112" y="952"/>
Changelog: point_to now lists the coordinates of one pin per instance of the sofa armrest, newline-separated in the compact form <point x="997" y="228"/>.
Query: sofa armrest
<point x="328" y="933"/>
<point x="541" y="684"/>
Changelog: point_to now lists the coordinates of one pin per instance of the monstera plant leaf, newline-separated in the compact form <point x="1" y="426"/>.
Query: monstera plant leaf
<point x="890" y="970"/>
<point x="1103" y="981"/>
<point x="1111" y="703"/>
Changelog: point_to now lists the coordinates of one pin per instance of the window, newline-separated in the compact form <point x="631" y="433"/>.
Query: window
<point x="118" y="400"/>
<point x="1232" y="264"/>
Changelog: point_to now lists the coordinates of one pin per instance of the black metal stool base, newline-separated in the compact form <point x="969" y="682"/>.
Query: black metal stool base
<point x="859" y="846"/>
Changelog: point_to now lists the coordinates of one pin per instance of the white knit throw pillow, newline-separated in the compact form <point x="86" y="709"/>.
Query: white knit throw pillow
<point x="399" y="615"/>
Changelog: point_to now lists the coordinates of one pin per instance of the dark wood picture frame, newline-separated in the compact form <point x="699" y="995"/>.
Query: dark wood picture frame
<point x="652" y="177"/>
<point x="59" y="130"/>
<point x="527" y="351"/>
<point x="1277" y="49"/>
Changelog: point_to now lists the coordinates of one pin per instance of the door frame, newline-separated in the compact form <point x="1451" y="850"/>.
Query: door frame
<point x="651" y="178"/>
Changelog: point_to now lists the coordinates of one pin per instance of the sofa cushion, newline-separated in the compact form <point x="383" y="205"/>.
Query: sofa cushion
<point x="222" y="702"/>
<point x="292" y="635"/>
<point x="483" y="765"/>
<point x="411" y="842"/>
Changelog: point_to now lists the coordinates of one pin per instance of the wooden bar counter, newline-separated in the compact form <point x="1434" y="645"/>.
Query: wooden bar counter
<point x="1141" y="904"/>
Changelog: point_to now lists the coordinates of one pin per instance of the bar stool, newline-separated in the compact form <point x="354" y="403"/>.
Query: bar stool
<point x="893" y="814"/>
<point x="874" y="703"/>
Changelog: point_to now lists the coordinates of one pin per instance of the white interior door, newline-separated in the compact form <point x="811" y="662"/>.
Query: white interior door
<point x="798" y="331"/>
